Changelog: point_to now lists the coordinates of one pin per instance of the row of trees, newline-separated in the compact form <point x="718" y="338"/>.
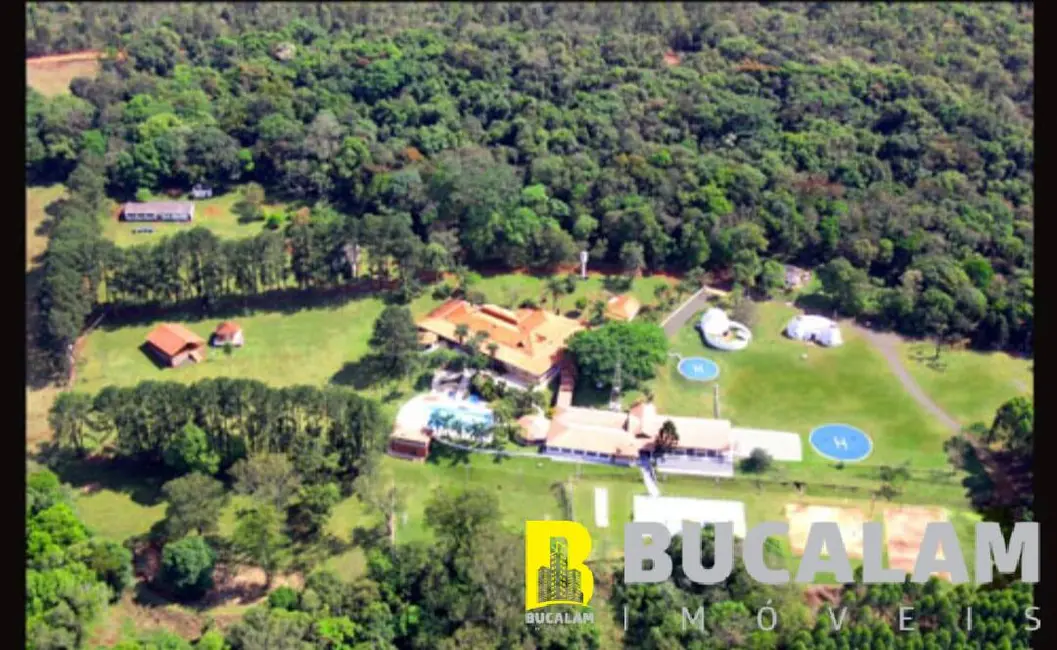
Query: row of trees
<point x="512" y="146"/>
<point x="209" y="425"/>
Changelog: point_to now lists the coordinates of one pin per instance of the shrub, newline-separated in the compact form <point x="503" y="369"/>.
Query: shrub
<point x="273" y="222"/>
<point x="187" y="567"/>
<point x="443" y="291"/>
<point x="758" y="462"/>
<point x="283" y="598"/>
<point x="142" y="195"/>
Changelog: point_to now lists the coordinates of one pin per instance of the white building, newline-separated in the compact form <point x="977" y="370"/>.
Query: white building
<point x="722" y="333"/>
<point x="819" y="329"/>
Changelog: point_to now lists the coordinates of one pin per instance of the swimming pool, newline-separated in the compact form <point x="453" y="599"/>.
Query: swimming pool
<point x="445" y="416"/>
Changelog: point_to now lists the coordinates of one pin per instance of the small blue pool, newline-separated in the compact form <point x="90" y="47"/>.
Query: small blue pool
<point x="474" y="399"/>
<point x="841" y="442"/>
<point x="698" y="369"/>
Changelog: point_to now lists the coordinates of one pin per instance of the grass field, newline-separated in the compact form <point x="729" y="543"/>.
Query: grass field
<point x="214" y="213"/>
<point x="511" y="289"/>
<point x="769" y="386"/>
<point x="38" y="400"/>
<point x="51" y="76"/>
<point x="968" y="385"/>
<point x="37" y="200"/>
<point x="312" y="346"/>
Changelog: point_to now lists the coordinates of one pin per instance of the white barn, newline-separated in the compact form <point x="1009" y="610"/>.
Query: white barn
<point x="819" y="329"/>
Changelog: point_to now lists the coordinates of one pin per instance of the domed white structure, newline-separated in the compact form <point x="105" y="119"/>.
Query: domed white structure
<point x="722" y="333"/>
<point x="823" y="331"/>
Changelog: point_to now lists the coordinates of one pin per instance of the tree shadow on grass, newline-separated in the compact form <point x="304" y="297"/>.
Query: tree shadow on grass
<point x="926" y="355"/>
<point x="814" y="303"/>
<point x="442" y="454"/>
<point x="360" y="374"/>
<point x="141" y="481"/>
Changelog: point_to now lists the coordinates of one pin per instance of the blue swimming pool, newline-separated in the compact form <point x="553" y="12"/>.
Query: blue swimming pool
<point x="698" y="369"/>
<point x="841" y="442"/>
<point x="467" y="417"/>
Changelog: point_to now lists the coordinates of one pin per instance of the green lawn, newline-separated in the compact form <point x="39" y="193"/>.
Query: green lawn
<point x="115" y="515"/>
<point x="312" y="346"/>
<point x="968" y="385"/>
<point x="37" y="200"/>
<point x="510" y="289"/>
<point x="769" y="385"/>
<point x="214" y="213"/>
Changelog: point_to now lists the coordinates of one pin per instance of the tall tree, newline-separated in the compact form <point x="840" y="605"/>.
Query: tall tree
<point x="395" y="341"/>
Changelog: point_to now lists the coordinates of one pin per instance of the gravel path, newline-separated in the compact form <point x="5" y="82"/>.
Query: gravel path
<point x="886" y="344"/>
<point x="685" y="311"/>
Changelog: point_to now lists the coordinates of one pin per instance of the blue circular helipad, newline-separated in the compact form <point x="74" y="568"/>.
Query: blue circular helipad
<point x="698" y="369"/>
<point x="841" y="442"/>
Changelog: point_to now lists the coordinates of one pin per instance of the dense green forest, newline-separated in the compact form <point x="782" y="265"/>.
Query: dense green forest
<point x="889" y="146"/>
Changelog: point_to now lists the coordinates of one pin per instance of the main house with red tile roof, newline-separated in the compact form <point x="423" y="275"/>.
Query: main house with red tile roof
<point x="530" y="343"/>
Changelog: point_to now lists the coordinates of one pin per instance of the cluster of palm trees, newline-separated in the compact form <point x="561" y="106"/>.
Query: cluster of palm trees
<point x="446" y="421"/>
<point x="475" y="343"/>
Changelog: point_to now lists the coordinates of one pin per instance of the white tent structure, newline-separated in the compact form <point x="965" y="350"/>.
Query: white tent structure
<point x="722" y="333"/>
<point x="806" y="327"/>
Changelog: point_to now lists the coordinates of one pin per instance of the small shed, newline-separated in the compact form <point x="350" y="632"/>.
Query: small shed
<point x="174" y="345"/>
<point x="201" y="192"/>
<point x="410" y="444"/>
<point x="796" y="277"/>
<point x="624" y="308"/>
<point x="228" y="332"/>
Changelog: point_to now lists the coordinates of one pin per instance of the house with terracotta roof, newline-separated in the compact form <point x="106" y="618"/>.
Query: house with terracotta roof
<point x="228" y="332"/>
<point x="530" y="343"/>
<point x="174" y="345"/>
<point x="623" y="308"/>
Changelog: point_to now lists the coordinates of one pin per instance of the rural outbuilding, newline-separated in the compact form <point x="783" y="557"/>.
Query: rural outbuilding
<point x="201" y="192"/>
<point x="227" y="332"/>
<point x="175" y="345"/>
<point x="623" y="308"/>
<point x="175" y="211"/>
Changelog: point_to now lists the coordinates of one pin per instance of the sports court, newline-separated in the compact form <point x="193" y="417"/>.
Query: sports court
<point x="848" y="520"/>
<point x="781" y="445"/>
<point x="841" y="442"/>
<point x="904" y="530"/>
<point x="673" y="511"/>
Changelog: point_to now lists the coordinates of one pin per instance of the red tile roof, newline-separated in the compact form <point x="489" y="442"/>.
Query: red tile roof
<point x="228" y="328"/>
<point x="171" y="338"/>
